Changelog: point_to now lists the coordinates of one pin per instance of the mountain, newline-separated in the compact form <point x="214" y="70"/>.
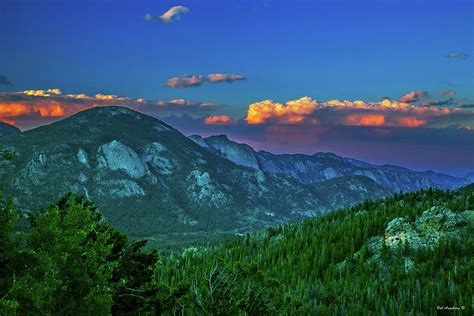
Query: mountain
<point x="344" y="191"/>
<point x="315" y="168"/>
<point x="470" y="176"/>
<point x="151" y="181"/>
<point x="7" y="129"/>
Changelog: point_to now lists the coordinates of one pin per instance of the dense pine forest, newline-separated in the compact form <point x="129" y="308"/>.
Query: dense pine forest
<point x="72" y="262"/>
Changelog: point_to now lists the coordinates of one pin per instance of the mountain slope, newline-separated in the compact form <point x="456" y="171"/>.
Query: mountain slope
<point x="322" y="166"/>
<point x="6" y="130"/>
<point x="149" y="179"/>
<point x="348" y="190"/>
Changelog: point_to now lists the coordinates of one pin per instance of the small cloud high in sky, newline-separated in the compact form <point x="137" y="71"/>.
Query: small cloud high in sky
<point x="197" y="80"/>
<point x="174" y="14"/>
<point x="457" y="55"/>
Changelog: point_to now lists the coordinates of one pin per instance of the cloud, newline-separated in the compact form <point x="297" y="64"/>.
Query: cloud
<point x="149" y="17"/>
<point x="42" y="93"/>
<point x="213" y="78"/>
<point x="366" y="120"/>
<point x="385" y="113"/>
<point x="185" y="81"/>
<point x="219" y="120"/>
<point x="173" y="14"/>
<point x="197" y="80"/>
<point x="413" y="96"/>
<point x="443" y="147"/>
<point x="290" y="112"/>
<point x="4" y="81"/>
<point x="31" y="108"/>
<point x="449" y="101"/>
<point x="447" y="93"/>
<point x="9" y="122"/>
<point x="457" y="55"/>
<point x="467" y="106"/>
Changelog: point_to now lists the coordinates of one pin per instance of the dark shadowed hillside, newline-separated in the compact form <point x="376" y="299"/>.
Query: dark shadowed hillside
<point x="151" y="181"/>
<point x="6" y="130"/>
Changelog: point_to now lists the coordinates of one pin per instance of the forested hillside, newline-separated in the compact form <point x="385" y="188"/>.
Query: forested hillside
<point x="150" y="181"/>
<point x="411" y="253"/>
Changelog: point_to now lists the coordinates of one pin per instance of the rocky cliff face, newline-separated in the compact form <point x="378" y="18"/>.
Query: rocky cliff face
<point x="315" y="168"/>
<point x="435" y="225"/>
<point x="432" y="226"/>
<point x="150" y="180"/>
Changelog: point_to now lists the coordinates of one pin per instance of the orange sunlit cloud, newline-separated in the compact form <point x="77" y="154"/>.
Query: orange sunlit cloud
<point x="37" y="105"/>
<point x="410" y="122"/>
<point x="354" y="113"/>
<point x="219" y="120"/>
<point x="365" y="120"/>
<point x="290" y="112"/>
<point x="413" y="96"/>
<point x="10" y="122"/>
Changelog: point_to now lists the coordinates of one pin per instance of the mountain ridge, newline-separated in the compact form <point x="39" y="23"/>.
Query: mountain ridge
<point x="314" y="168"/>
<point x="7" y="129"/>
<point x="150" y="180"/>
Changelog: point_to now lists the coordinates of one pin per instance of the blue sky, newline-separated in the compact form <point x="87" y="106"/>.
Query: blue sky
<point x="324" y="49"/>
<point x="286" y="49"/>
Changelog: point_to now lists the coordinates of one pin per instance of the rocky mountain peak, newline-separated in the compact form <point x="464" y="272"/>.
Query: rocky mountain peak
<point x="240" y="154"/>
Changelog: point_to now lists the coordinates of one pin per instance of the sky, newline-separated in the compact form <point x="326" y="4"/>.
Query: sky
<point x="385" y="81"/>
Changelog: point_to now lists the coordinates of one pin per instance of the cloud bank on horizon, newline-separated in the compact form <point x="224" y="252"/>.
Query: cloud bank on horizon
<point x="366" y="130"/>
<point x="32" y="108"/>
<point x="385" y="113"/>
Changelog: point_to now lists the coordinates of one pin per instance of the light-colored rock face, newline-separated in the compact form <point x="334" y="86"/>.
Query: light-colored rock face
<point x="240" y="154"/>
<point x="199" y="140"/>
<point x="201" y="189"/>
<point x="82" y="157"/>
<point x="36" y="169"/>
<point x="330" y="173"/>
<point x="433" y="225"/>
<point x="427" y="231"/>
<point x="121" y="189"/>
<point x="117" y="156"/>
<point x="160" y="128"/>
<point x="82" y="177"/>
<point x="439" y="218"/>
<point x="154" y="155"/>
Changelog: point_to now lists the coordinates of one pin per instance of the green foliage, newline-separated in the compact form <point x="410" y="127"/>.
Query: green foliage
<point x="73" y="263"/>
<point x="67" y="271"/>
<point x="304" y="260"/>
<point x="8" y="254"/>
<point x="8" y="155"/>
